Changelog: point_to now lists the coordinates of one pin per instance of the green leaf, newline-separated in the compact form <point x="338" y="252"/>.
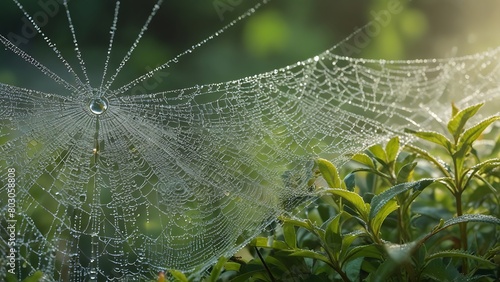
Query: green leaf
<point x="433" y="137"/>
<point x="347" y="240"/>
<point x="364" y="159"/>
<point x="365" y="251"/>
<point x="379" y="154"/>
<point x="460" y="254"/>
<point x="353" y="269"/>
<point x="217" y="269"/>
<point x="454" y="110"/>
<point x="404" y="173"/>
<point x="297" y="222"/>
<point x="458" y="121"/>
<point x="438" y="271"/>
<point x="470" y="135"/>
<point x="276" y="262"/>
<point x="263" y="242"/>
<point x="376" y="222"/>
<point x="379" y="201"/>
<point x="329" y="173"/>
<point x="310" y="254"/>
<point x="333" y="236"/>
<point x="178" y="276"/>
<point x="350" y="181"/>
<point x="290" y="235"/>
<point x="232" y="266"/>
<point x="37" y="276"/>
<point x="354" y="199"/>
<point x="470" y="218"/>
<point x="392" y="149"/>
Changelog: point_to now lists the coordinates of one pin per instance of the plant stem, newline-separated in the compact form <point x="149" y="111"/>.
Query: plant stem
<point x="271" y="277"/>
<point x="463" y="231"/>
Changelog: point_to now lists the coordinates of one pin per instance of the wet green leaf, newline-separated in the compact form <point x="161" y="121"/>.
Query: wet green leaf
<point x="379" y="201"/>
<point x="364" y="159"/>
<point x="354" y="199"/>
<point x="290" y="235"/>
<point x="377" y="221"/>
<point x="392" y="149"/>
<point x="333" y="236"/>
<point x="350" y="181"/>
<point x="460" y="254"/>
<point x="329" y="173"/>
<point x="458" y="121"/>
<point x="405" y="172"/>
<point x="310" y="254"/>
<point x="471" y="218"/>
<point x="378" y="153"/>
<point x="471" y="134"/>
<point x="368" y="251"/>
<point x="433" y="137"/>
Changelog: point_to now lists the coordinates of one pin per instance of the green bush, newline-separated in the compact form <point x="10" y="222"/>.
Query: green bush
<point x="391" y="217"/>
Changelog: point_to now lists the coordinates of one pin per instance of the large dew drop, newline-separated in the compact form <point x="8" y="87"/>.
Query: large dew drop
<point x="98" y="105"/>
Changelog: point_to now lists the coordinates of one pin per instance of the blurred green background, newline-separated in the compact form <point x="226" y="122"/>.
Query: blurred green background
<point x="280" y="33"/>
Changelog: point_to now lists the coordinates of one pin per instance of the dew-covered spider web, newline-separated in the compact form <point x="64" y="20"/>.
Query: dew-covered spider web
<point x="111" y="184"/>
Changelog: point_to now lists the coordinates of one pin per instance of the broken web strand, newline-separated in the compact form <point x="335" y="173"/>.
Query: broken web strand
<point x="54" y="48"/>
<point x="144" y="28"/>
<point x="110" y="46"/>
<point x="121" y="90"/>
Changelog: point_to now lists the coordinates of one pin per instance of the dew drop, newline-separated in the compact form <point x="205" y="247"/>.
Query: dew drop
<point x="98" y="105"/>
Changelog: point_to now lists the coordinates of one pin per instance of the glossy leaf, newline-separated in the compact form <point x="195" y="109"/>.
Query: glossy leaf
<point x="364" y="159"/>
<point x="471" y="218"/>
<point x="458" y="121"/>
<point x="347" y="240"/>
<point x="405" y="172"/>
<point x="432" y="136"/>
<point x="379" y="153"/>
<point x="333" y="236"/>
<point x="263" y="242"/>
<point x="353" y="198"/>
<point x="217" y="269"/>
<point x="459" y="254"/>
<point x="290" y="235"/>
<point x="378" y="219"/>
<point x="310" y="254"/>
<point x="367" y="251"/>
<point x="379" y="201"/>
<point x="392" y="149"/>
<point x="350" y="181"/>
<point x="329" y="173"/>
<point x="471" y="134"/>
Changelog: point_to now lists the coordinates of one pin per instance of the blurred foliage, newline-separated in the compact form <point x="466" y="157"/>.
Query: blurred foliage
<point x="278" y="34"/>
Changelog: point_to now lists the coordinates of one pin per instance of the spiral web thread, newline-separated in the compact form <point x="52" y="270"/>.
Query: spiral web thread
<point x="176" y="179"/>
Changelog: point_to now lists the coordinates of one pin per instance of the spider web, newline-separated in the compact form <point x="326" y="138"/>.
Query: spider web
<point x="114" y="185"/>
